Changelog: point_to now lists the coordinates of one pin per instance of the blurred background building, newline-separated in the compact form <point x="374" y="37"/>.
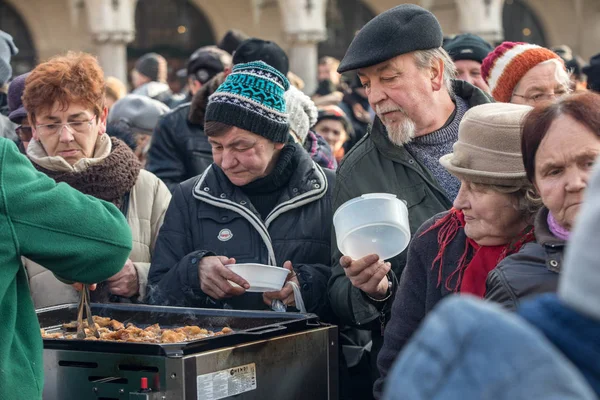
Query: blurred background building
<point x="119" y="31"/>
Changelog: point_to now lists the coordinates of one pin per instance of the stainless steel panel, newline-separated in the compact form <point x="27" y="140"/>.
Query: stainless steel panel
<point x="77" y="375"/>
<point x="294" y="366"/>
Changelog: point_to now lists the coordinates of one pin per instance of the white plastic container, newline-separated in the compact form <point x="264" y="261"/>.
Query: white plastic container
<point x="374" y="223"/>
<point x="262" y="278"/>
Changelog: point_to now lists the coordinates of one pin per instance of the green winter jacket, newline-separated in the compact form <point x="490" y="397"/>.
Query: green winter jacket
<point x="375" y="165"/>
<point x="76" y="236"/>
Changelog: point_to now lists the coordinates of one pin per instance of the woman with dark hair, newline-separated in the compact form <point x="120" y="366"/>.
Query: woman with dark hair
<point x="560" y="142"/>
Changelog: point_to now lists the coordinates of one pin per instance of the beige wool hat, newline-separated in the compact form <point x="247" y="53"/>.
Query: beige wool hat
<point x="488" y="149"/>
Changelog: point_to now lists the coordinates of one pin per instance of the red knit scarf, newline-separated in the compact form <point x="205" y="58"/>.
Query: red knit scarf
<point x="471" y="275"/>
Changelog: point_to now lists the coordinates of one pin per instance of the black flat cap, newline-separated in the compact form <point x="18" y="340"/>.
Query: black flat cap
<point x="400" y="30"/>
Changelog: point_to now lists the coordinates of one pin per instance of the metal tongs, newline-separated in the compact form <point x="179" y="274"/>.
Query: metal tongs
<point x="84" y="301"/>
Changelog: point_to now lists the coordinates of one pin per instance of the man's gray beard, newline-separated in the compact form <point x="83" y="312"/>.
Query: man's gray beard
<point x="401" y="133"/>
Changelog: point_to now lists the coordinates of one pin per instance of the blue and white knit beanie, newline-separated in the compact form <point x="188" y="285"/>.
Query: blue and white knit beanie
<point x="251" y="98"/>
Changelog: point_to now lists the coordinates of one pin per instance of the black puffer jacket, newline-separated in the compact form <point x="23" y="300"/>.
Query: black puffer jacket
<point x="208" y="215"/>
<point x="533" y="270"/>
<point x="180" y="149"/>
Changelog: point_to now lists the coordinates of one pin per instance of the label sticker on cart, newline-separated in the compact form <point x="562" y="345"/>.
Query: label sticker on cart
<point x="225" y="383"/>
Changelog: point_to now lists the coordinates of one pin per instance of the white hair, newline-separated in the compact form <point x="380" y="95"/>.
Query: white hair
<point x="402" y="133"/>
<point x="399" y="132"/>
<point x="425" y="59"/>
<point x="561" y="75"/>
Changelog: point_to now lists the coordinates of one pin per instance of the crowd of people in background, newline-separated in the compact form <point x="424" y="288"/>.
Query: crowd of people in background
<point x="491" y="146"/>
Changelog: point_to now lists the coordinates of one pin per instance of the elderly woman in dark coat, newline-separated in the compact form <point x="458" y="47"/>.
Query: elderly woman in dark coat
<point x="560" y="143"/>
<point x="454" y="251"/>
<point x="263" y="200"/>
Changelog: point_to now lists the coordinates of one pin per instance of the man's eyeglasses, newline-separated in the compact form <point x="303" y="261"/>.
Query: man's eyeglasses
<point x="542" y="96"/>
<point x="74" y="127"/>
<point x="25" y="133"/>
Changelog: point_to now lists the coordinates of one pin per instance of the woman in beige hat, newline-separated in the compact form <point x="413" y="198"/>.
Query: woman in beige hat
<point x="454" y="251"/>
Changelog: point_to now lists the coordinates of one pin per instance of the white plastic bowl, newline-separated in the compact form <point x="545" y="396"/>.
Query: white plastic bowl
<point x="262" y="278"/>
<point x="374" y="223"/>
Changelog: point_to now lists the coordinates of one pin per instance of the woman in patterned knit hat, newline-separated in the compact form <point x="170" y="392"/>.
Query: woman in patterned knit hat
<point x="64" y="98"/>
<point x="263" y="200"/>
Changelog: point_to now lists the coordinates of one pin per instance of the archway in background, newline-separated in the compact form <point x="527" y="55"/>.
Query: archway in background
<point x="11" y="22"/>
<point x="344" y="19"/>
<point x="521" y="24"/>
<point x="172" y="28"/>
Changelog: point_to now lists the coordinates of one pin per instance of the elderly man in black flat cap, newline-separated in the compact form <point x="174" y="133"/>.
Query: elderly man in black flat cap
<point x="409" y="82"/>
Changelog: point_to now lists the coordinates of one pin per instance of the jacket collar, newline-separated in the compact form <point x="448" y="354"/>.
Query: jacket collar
<point x="307" y="182"/>
<point x="542" y="231"/>
<point x="380" y="138"/>
<point x="553" y="246"/>
<point x="470" y="93"/>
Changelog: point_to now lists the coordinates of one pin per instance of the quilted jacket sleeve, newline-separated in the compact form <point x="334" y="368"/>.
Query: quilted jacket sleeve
<point x="174" y="277"/>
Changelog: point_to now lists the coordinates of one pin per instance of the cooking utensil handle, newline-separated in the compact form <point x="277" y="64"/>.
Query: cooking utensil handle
<point x="80" y="329"/>
<point x="262" y="331"/>
<point x="90" y="319"/>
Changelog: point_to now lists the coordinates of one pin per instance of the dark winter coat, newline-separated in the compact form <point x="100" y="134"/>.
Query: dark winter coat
<point x="180" y="149"/>
<point x="377" y="165"/>
<point x="533" y="270"/>
<point x="418" y="292"/>
<point x="210" y="207"/>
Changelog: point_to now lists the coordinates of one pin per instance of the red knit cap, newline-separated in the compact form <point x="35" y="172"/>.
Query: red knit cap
<point x="504" y="67"/>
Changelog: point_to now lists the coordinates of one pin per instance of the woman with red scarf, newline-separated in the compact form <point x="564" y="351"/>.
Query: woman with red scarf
<point x="454" y="251"/>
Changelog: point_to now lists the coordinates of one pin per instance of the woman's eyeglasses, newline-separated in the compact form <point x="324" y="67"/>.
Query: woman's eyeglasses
<point x="73" y="127"/>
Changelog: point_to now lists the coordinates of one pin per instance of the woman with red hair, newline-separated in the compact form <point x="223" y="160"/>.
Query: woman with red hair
<point x="65" y="102"/>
